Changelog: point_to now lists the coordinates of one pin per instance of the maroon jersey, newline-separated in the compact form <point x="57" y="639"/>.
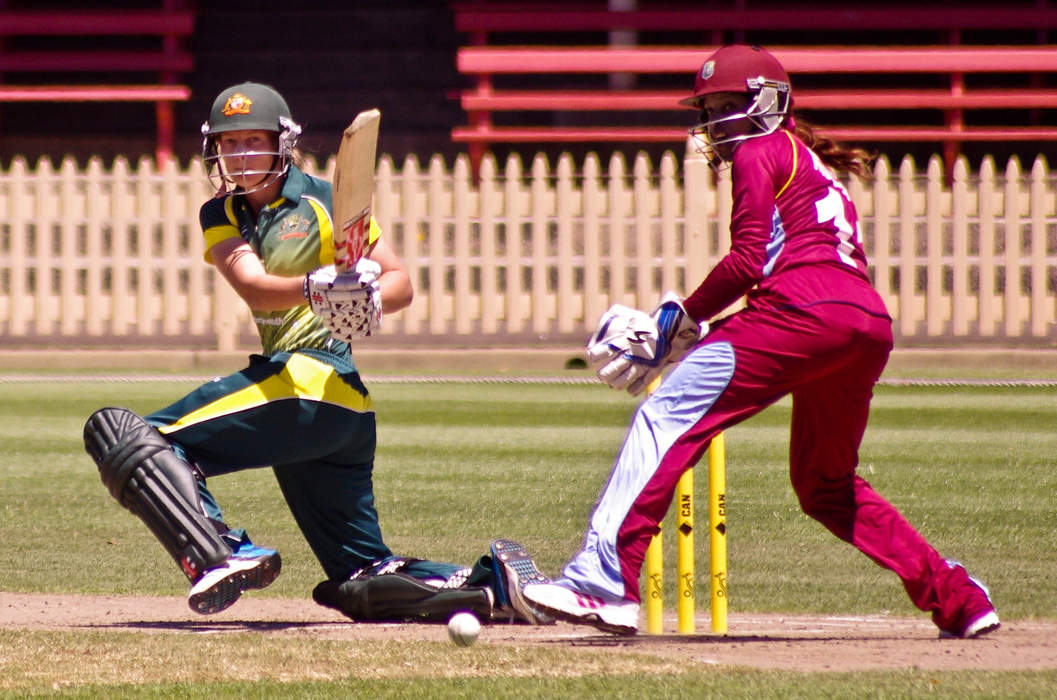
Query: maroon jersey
<point x="794" y="235"/>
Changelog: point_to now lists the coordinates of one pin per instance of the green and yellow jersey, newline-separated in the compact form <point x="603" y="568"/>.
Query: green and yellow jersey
<point x="292" y="236"/>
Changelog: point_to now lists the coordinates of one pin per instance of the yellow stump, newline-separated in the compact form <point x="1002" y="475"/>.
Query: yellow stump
<point x="655" y="585"/>
<point x="655" y="567"/>
<point x="684" y="524"/>
<point x="717" y="526"/>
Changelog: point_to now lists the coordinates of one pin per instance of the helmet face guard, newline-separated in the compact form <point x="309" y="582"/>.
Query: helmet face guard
<point x="249" y="106"/>
<point x="739" y="69"/>
<point x="766" y="111"/>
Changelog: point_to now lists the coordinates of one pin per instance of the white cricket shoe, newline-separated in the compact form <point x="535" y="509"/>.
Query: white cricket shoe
<point x="613" y="616"/>
<point x="988" y="622"/>
<point x="248" y="567"/>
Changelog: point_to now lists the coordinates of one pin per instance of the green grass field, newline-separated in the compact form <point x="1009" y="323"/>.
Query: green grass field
<point x="461" y="464"/>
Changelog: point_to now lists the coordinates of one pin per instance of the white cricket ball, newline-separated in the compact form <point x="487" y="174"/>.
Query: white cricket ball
<point x="463" y="628"/>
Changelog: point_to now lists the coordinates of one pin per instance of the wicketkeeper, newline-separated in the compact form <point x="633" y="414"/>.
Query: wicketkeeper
<point x="813" y="328"/>
<point x="298" y="407"/>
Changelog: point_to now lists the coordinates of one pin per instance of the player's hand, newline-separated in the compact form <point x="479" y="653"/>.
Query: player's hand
<point x="326" y="287"/>
<point x="678" y="330"/>
<point x="630" y="348"/>
<point x="351" y="325"/>
<point x="624" y="349"/>
<point x="350" y="304"/>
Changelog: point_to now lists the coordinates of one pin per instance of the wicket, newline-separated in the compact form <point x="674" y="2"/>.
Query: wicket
<point x="684" y="525"/>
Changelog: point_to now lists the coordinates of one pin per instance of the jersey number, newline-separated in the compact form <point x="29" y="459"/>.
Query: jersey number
<point x="831" y="210"/>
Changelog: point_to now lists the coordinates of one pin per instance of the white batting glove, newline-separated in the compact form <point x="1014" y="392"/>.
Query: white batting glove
<point x="349" y="304"/>
<point x="350" y="326"/>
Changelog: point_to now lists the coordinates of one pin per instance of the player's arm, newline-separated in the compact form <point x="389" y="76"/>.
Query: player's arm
<point x="756" y="176"/>
<point x="244" y="271"/>
<point x="394" y="282"/>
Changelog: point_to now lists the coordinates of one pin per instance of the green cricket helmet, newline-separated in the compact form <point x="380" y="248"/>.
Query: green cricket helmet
<point x="249" y="106"/>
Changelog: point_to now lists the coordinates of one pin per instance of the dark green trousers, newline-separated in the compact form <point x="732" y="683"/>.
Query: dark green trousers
<point x="308" y="416"/>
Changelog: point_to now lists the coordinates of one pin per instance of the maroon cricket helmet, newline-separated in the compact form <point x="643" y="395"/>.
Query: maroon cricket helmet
<point x="736" y="68"/>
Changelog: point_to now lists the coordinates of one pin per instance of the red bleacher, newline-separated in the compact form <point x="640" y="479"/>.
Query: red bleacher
<point x="948" y="80"/>
<point x="94" y="58"/>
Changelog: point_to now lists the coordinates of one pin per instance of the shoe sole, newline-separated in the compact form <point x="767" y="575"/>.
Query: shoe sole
<point x="518" y="570"/>
<point x="225" y="592"/>
<point x="586" y="617"/>
<point x="982" y="625"/>
<point x="589" y="619"/>
<point x="987" y="629"/>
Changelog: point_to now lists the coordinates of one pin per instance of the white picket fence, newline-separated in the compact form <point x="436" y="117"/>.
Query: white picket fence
<point x="530" y="254"/>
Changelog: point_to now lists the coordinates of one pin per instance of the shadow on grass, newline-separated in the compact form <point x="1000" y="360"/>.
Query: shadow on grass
<point x="647" y="641"/>
<point x="216" y="626"/>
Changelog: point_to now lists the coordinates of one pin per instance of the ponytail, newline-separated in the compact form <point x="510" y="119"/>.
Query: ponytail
<point x="847" y="159"/>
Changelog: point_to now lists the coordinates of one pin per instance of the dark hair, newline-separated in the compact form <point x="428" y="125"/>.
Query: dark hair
<point x="847" y="159"/>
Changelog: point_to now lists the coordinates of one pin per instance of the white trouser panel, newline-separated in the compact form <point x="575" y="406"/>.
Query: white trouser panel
<point x="682" y="400"/>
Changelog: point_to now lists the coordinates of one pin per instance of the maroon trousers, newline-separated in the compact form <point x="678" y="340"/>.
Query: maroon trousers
<point x="828" y="356"/>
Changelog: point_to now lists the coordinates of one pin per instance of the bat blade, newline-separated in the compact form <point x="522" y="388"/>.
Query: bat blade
<point x="354" y="188"/>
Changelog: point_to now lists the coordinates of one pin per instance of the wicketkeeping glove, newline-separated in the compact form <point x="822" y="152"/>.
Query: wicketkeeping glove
<point x="630" y="348"/>
<point x="349" y="304"/>
<point x="623" y="350"/>
<point x="677" y="328"/>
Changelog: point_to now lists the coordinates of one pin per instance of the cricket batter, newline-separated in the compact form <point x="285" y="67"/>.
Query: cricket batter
<point x="299" y="407"/>
<point x="813" y="327"/>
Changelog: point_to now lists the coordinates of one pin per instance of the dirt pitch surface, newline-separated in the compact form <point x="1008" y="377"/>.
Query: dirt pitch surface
<point x="793" y="642"/>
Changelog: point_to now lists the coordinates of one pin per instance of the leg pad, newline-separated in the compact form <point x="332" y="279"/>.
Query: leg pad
<point x="395" y="596"/>
<point x="141" y="470"/>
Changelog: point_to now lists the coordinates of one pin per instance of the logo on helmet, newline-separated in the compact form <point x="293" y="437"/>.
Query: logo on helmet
<point x="708" y="69"/>
<point x="237" y="104"/>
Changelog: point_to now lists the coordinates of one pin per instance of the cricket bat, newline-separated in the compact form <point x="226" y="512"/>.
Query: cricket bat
<point x="353" y="189"/>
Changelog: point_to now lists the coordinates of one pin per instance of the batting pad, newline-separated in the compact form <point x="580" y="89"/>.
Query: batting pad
<point x="143" y="473"/>
<point x="399" y="597"/>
